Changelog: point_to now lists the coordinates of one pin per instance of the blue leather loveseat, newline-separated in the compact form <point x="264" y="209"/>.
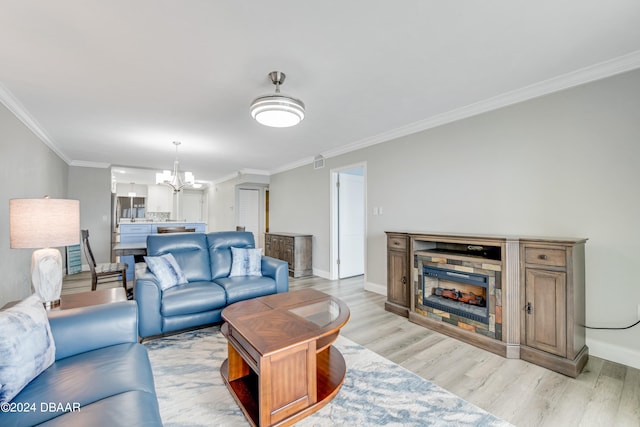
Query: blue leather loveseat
<point x="206" y="261"/>
<point x="101" y="375"/>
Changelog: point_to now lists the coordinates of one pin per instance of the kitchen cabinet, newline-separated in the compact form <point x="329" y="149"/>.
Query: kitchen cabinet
<point x="133" y="233"/>
<point x="159" y="198"/>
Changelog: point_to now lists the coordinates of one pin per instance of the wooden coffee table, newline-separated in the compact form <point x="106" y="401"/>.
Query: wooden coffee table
<point x="282" y="366"/>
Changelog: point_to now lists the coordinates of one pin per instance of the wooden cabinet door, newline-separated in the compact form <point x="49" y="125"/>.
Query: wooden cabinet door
<point x="268" y="251"/>
<point x="288" y="251"/>
<point x="276" y="247"/>
<point x="545" y="318"/>
<point x="397" y="280"/>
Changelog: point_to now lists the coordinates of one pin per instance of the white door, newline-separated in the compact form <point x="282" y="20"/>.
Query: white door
<point x="351" y="223"/>
<point x="192" y="203"/>
<point x="249" y="211"/>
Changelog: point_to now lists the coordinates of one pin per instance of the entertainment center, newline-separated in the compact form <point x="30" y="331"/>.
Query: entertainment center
<point x="519" y="297"/>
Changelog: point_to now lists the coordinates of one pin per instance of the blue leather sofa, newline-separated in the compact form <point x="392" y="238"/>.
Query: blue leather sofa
<point x="101" y="377"/>
<point x="206" y="262"/>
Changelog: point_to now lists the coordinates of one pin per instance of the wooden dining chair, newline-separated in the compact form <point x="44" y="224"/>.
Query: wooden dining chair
<point x="174" y="229"/>
<point x="103" y="273"/>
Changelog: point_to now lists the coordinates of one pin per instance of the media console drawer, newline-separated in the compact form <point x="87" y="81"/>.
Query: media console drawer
<point x="395" y="242"/>
<point x="545" y="256"/>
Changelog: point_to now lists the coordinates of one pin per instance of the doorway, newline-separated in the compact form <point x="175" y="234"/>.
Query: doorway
<point x="251" y="211"/>
<point x="348" y="221"/>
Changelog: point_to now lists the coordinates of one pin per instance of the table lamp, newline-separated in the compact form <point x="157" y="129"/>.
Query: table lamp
<point x="45" y="223"/>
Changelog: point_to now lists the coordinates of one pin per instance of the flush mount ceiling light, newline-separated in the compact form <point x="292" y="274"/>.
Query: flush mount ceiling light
<point x="277" y="110"/>
<point x="176" y="179"/>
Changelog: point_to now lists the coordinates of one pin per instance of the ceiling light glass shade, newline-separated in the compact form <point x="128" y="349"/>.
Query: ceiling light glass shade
<point x="277" y="111"/>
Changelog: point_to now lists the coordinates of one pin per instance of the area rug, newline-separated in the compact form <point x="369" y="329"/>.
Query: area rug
<point x="376" y="392"/>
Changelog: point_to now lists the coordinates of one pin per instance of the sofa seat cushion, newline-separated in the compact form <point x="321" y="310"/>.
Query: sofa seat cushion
<point x="84" y="379"/>
<point x="194" y="297"/>
<point x="240" y="288"/>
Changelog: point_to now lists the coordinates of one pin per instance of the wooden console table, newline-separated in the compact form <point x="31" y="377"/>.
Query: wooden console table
<point x="294" y="248"/>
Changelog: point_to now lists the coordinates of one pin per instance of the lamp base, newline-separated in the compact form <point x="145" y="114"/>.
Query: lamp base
<point x="48" y="305"/>
<point x="46" y="275"/>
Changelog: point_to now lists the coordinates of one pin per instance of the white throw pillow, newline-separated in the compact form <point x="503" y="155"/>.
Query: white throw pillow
<point x="166" y="269"/>
<point x="246" y="262"/>
<point x="26" y="346"/>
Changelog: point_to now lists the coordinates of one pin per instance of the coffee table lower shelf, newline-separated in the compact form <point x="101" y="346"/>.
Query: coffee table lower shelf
<point x="331" y="370"/>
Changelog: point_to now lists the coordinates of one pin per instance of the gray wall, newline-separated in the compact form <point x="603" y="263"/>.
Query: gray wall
<point x="92" y="186"/>
<point x="33" y="170"/>
<point x="28" y="169"/>
<point x="565" y="164"/>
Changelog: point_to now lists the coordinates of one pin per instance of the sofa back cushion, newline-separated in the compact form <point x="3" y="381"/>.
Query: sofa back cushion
<point x="189" y="250"/>
<point x="220" y="244"/>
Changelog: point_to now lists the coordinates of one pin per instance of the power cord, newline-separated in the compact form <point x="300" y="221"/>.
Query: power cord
<point x="621" y="328"/>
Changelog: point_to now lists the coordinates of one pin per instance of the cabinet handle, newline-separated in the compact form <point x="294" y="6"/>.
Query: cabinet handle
<point x="542" y="256"/>
<point x="529" y="308"/>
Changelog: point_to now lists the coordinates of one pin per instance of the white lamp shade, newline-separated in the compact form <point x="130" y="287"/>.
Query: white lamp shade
<point x="45" y="223"/>
<point x="42" y="223"/>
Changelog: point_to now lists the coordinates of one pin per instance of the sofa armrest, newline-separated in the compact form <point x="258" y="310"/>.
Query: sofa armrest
<point x="83" y="329"/>
<point x="278" y="270"/>
<point x="148" y="295"/>
<point x="146" y="275"/>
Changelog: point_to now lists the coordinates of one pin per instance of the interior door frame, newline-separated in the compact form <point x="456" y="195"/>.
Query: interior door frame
<point x="334" y="223"/>
<point x="262" y="190"/>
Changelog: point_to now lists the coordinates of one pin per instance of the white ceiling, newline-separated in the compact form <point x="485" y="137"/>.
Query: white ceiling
<point x="115" y="82"/>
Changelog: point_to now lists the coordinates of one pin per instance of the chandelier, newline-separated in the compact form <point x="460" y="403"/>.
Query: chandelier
<point x="175" y="179"/>
<point x="277" y="110"/>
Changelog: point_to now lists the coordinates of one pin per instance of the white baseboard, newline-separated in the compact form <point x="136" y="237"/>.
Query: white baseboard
<point x="322" y="273"/>
<point x="614" y="353"/>
<point x="375" y="287"/>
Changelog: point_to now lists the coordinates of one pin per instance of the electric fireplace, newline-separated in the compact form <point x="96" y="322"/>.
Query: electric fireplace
<point x="462" y="294"/>
<point x="460" y="284"/>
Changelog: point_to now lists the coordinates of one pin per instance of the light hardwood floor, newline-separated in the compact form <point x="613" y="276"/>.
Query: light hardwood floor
<point x="605" y="394"/>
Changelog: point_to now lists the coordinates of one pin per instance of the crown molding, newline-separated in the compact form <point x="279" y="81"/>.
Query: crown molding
<point x="18" y="110"/>
<point x="302" y="162"/>
<point x="585" y="75"/>
<point x="226" y="178"/>
<point x="86" y="164"/>
<point x="254" y="172"/>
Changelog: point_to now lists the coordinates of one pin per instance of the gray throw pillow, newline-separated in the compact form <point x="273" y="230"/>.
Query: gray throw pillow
<point x="26" y="346"/>
<point x="166" y="270"/>
<point x="246" y="262"/>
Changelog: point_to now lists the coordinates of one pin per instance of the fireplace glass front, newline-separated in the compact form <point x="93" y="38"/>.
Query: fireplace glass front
<point x="462" y="294"/>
